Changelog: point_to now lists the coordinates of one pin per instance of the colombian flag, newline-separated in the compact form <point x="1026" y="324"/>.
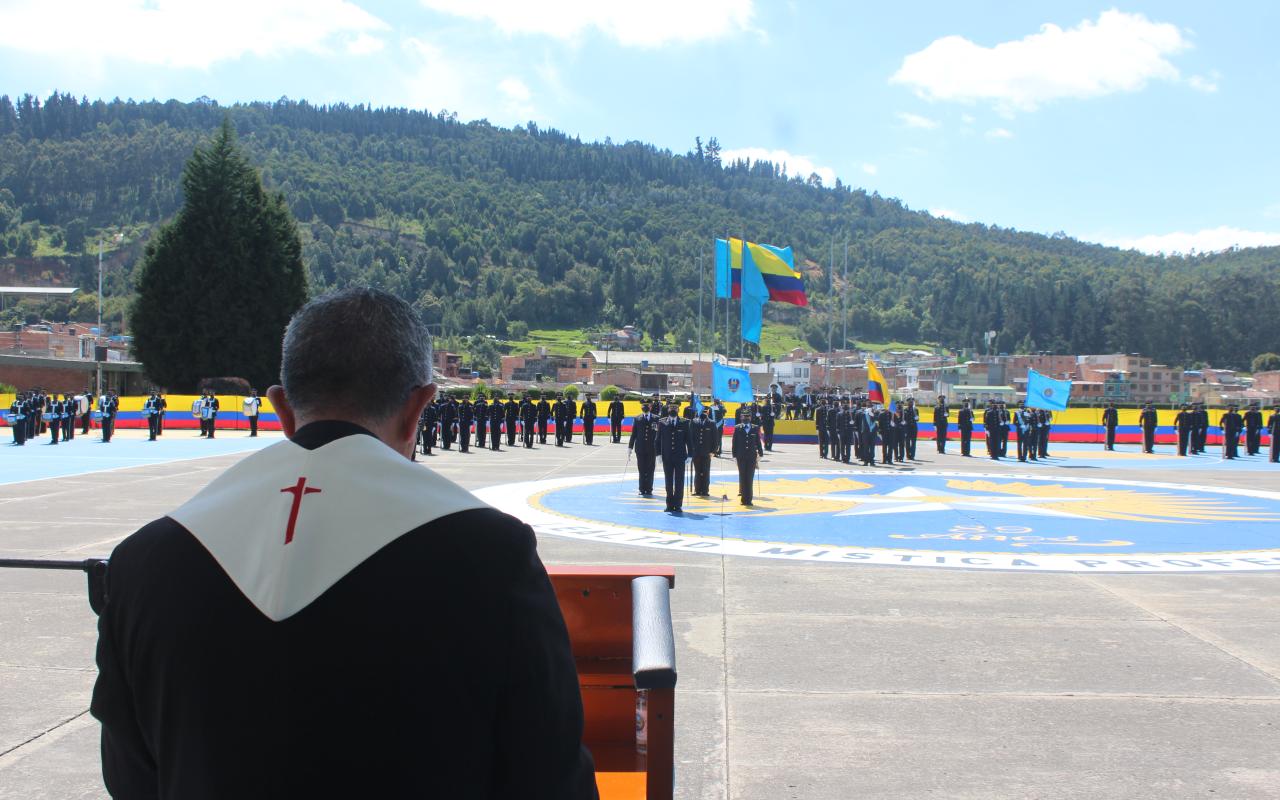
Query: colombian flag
<point x="777" y="266"/>
<point x="877" y="386"/>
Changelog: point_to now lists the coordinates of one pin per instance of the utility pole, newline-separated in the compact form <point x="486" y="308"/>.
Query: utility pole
<point x="98" y="385"/>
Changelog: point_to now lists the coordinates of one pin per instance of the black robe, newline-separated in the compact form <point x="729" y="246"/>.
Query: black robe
<point x="437" y="666"/>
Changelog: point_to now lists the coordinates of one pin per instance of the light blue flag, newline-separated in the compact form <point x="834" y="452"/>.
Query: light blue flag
<point x="754" y="295"/>
<point x="731" y="384"/>
<point x="724" y="269"/>
<point x="1047" y="393"/>
<point x="695" y="402"/>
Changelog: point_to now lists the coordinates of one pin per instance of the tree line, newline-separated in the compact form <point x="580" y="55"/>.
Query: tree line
<point x="481" y="226"/>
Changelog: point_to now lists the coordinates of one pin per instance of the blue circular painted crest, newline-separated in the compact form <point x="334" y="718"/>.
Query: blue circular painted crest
<point x="934" y="518"/>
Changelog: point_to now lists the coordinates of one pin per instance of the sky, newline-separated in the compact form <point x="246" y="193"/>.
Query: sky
<point x="1150" y="125"/>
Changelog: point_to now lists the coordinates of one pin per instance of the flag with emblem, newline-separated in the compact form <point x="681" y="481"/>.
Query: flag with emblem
<point x="1048" y="393"/>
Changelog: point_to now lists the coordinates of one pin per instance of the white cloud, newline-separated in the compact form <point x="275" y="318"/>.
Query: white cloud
<point x="967" y="119"/>
<point x="796" y="165"/>
<point x="183" y="35"/>
<point x="946" y="213"/>
<point x="433" y="82"/>
<point x="517" y="96"/>
<point x="1272" y="211"/>
<point x="917" y="121"/>
<point x="364" y="44"/>
<point x="1211" y="240"/>
<point x="633" y="24"/>
<point x="1119" y="52"/>
<point x="999" y="133"/>
<point x="1203" y="83"/>
<point x="870" y="169"/>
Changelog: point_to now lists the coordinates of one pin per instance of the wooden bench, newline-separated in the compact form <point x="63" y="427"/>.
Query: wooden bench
<point x="619" y="621"/>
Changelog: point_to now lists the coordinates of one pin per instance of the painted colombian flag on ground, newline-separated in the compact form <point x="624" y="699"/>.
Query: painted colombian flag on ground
<point x="777" y="266"/>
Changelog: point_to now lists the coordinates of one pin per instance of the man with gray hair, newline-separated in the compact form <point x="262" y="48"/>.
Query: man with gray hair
<point x="328" y="619"/>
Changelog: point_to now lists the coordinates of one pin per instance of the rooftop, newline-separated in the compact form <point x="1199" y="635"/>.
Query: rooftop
<point x="635" y="357"/>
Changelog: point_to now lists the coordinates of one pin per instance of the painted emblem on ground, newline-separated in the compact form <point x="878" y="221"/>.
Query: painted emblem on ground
<point x="936" y="519"/>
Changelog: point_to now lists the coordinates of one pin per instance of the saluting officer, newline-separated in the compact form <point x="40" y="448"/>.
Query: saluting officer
<point x="1110" y="419"/>
<point x="588" y="412"/>
<point x="644" y="443"/>
<point x="674" y="446"/>
<point x="1147" y="419"/>
<point x="747" y="451"/>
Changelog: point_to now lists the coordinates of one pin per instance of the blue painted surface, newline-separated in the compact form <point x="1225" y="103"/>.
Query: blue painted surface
<point x="961" y="513"/>
<point x="38" y="460"/>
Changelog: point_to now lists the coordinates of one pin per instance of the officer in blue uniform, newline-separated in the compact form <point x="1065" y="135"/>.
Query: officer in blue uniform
<point x="644" y="443"/>
<point x="747" y="451"/>
<point x="674" y="445"/>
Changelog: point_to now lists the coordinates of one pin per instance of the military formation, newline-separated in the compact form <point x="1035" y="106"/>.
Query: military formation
<point x="850" y="428"/>
<point x="684" y="439"/>
<point x="35" y="413"/>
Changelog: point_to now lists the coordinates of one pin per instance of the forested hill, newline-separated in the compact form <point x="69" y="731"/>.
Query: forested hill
<point x="482" y="226"/>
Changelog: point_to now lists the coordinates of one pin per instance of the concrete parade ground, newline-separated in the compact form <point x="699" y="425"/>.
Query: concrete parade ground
<point x="1096" y="625"/>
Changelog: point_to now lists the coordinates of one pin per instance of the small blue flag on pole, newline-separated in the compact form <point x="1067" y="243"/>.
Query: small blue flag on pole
<point x="724" y="269"/>
<point x="731" y="384"/>
<point x="754" y="295"/>
<point x="1044" y="392"/>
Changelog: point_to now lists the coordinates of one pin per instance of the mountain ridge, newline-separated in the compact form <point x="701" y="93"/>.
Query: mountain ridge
<point x="480" y="226"/>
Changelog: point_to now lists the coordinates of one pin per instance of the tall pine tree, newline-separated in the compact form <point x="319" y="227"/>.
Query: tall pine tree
<point x="219" y="283"/>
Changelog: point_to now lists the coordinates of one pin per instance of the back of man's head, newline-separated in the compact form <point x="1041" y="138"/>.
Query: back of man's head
<point x="355" y="354"/>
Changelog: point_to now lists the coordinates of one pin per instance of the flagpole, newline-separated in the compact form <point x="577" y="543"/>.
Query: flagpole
<point x="844" y="311"/>
<point x="742" y="342"/>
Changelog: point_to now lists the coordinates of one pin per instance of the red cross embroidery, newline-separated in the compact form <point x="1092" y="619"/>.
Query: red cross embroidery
<point x="298" y="490"/>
